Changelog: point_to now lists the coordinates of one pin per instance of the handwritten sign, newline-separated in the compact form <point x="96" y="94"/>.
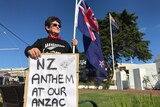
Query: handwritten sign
<point x="52" y="81"/>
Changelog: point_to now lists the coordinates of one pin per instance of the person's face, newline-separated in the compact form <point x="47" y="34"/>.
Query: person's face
<point x="54" y="28"/>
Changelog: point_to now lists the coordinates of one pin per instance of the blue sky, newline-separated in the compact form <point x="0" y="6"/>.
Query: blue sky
<point x="26" y="19"/>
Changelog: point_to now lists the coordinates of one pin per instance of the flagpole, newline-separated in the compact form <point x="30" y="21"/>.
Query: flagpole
<point x="75" y="23"/>
<point x="112" y="45"/>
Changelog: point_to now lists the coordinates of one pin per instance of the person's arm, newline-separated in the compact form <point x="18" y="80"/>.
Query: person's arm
<point x="34" y="50"/>
<point x="75" y="43"/>
<point x="26" y="50"/>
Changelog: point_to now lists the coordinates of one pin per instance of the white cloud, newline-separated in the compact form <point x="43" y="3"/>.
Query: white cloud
<point x="143" y="29"/>
<point x="157" y="26"/>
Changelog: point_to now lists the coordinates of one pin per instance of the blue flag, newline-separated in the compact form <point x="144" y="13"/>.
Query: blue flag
<point x="113" y="22"/>
<point x="88" y="25"/>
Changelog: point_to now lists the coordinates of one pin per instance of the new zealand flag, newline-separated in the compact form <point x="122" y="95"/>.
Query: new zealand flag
<point x="88" y="25"/>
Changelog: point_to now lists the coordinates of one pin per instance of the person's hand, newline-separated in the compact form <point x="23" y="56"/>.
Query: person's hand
<point x="74" y="42"/>
<point x="34" y="53"/>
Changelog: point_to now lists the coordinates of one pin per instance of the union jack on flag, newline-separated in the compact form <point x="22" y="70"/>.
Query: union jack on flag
<point x="90" y="20"/>
<point x="113" y="22"/>
<point x="88" y="25"/>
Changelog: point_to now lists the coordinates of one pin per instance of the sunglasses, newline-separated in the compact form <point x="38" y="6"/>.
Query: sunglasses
<point x="55" y="25"/>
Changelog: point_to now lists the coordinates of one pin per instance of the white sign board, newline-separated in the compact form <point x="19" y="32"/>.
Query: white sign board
<point x="52" y="81"/>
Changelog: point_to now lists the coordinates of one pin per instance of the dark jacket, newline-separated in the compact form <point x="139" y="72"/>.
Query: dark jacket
<point x="48" y="45"/>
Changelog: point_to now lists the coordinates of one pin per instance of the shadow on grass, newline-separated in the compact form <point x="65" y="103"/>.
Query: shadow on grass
<point x="86" y="101"/>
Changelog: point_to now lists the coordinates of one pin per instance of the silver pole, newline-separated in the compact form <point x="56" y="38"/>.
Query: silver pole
<point x="75" y="23"/>
<point x="112" y="46"/>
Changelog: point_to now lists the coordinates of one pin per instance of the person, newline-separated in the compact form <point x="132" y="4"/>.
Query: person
<point x="51" y="44"/>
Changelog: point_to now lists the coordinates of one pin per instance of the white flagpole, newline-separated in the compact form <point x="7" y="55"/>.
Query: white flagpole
<point x="112" y="45"/>
<point x="75" y="23"/>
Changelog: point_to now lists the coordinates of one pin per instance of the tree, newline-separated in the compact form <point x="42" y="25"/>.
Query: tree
<point x="128" y="40"/>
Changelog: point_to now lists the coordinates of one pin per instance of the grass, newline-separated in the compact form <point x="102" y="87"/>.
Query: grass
<point x="105" y="98"/>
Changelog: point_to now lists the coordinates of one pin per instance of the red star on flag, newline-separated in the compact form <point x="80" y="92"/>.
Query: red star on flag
<point x="101" y="63"/>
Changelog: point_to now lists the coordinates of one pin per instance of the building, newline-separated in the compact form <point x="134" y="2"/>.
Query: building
<point x="142" y="76"/>
<point x="13" y="71"/>
<point x="12" y="75"/>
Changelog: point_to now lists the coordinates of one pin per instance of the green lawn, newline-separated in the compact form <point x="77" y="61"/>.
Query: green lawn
<point x="105" y="98"/>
